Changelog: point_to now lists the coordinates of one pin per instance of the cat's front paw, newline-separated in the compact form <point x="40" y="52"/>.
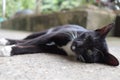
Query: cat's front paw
<point x="3" y="41"/>
<point x="6" y="51"/>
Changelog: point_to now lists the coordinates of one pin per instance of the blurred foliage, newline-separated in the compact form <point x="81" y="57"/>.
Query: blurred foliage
<point x="13" y="6"/>
<point x="48" y="6"/>
<point x="60" y="5"/>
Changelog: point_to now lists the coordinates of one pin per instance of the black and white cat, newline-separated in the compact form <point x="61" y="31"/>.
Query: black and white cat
<point x="85" y="45"/>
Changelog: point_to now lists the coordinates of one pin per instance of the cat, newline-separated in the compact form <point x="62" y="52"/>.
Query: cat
<point x="87" y="46"/>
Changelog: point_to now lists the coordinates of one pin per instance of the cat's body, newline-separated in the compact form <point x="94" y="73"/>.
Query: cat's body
<point x="73" y="40"/>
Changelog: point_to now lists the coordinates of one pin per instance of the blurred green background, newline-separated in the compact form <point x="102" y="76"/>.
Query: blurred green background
<point x="36" y="15"/>
<point x="45" y="6"/>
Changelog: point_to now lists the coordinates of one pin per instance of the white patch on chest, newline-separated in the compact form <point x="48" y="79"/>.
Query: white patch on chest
<point x="67" y="49"/>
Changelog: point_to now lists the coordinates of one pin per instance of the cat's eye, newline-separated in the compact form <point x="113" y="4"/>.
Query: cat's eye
<point x="89" y="52"/>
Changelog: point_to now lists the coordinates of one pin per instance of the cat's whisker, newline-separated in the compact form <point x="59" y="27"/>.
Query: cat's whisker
<point x="81" y="58"/>
<point x="71" y="35"/>
<point x="76" y="34"/>
<point x="97" y="50"/>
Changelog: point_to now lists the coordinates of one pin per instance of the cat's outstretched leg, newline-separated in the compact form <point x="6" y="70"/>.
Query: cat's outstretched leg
<point x="19" y="50"/>
<point x="36" y="45"/>
<point x="15" y="50"/>
<point x="5" y="41"/>
<point x="34" y="35"/>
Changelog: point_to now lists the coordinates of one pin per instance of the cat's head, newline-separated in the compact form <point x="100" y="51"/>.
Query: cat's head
<point x="91" y="47"/>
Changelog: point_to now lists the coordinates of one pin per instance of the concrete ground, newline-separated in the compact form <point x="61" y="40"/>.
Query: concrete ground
<point x="55" y="67"/>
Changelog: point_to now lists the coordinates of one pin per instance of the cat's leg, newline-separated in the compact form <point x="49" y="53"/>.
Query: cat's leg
<point x="5" y="41"/>
<point x="19" y="50"/>
<point x="34" y="35"/>
<point x="15" y="50"/>
<point x="36" y="45"/>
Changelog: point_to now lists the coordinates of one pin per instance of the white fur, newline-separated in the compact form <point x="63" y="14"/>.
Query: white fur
<point x="51" y="43"/>
<point x="6" y="51"/>
<point x="68" y="50"/>
<point x="3" y="41"/>
<point x="49" y="31"/>
<point x="73" y="47"/>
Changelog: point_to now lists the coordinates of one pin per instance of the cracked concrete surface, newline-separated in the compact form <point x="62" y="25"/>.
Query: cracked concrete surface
<point x="55" y="67"/>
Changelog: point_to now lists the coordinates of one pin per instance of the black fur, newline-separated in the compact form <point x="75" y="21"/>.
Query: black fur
<point x="87" y="45"/>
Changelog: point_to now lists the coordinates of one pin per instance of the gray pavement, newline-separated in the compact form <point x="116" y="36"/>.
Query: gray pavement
<point x="55" y="67"/>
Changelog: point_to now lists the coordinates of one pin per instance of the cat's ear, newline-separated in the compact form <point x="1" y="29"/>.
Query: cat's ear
<point x="104" y="31"/>
<point x="111" y="60"/>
